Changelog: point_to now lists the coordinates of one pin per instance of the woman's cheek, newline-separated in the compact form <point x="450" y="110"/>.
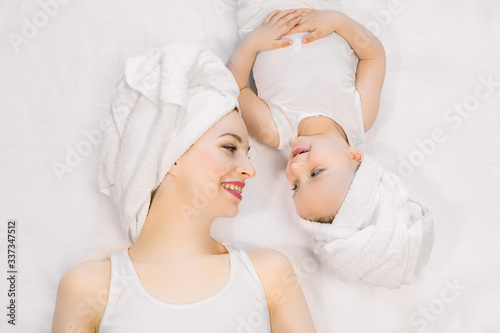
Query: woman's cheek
<point x="221" y="164"/>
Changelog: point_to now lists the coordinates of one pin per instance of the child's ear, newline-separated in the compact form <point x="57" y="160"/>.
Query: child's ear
<point x="356" y="154"/>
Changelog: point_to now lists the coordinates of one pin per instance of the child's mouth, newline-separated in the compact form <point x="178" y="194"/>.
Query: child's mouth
<point x="299" y="151"/>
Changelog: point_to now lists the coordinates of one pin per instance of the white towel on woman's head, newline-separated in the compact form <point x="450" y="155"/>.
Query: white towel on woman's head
<point x="167" y="99"/>
<point x="379" y="235"/>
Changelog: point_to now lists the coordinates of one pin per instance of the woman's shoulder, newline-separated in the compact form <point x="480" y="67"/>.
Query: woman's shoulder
<point x="268" y="259"/>
<point x="287" y="305"/>
<point x="87" y="276"/>
<point x="273" y="267"/>
<point x="82" y="294"/>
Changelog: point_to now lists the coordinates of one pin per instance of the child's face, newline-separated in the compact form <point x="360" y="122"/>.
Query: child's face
<point x="320" y="169"/>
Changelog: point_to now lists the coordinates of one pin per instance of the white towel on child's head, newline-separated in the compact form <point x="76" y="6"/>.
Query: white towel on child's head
<point x="167" y="99"/>
<point x="379" y="235"/>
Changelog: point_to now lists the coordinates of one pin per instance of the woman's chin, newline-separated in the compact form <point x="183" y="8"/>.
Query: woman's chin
<point x="230" y="206"/>
<point x="231" y="211"/>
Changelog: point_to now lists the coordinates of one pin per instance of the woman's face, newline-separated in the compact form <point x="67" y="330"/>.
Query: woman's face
<point x="212" y="173"/>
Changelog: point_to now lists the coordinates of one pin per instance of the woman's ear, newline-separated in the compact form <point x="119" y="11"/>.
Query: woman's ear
<point x="173" y="170"/>
<point x="356" y="154"/>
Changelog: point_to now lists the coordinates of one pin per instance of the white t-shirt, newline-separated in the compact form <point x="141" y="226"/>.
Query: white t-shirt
<point x="240" y="306"/>
<point x="305" y="80"/>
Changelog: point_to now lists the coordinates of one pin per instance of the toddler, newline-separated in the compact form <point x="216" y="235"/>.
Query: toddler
<point x="319" y="76"/>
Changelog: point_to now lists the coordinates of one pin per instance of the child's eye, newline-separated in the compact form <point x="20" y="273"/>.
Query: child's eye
<point x="231" y="148"/>
<point x="316" y="172"/>
<point x="295" y="186"/>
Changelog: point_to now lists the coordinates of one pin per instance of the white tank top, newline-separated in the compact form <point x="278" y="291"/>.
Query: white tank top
<point x="305" y="80"/>
<point x="240" y="306"/>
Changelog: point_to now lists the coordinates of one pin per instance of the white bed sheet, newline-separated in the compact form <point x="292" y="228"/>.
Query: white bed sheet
<point x="56" y="79"/>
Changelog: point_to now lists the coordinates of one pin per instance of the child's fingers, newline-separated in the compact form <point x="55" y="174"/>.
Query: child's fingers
<point x="310" y="37"/>
<point x="282" y="43"/>
<point x="281" y="14"/>
<point x="300" y="26"/>
<point x="291" y="20"/>
<point x="304" y="10"/>
<point x="294" y="30"/>
<point x="271" y="15"/>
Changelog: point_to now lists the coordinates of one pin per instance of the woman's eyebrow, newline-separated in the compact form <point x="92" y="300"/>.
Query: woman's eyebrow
<point x="236" y="136"/>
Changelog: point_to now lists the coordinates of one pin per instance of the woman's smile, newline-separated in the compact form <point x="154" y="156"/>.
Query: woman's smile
<point x="235" y="188"/>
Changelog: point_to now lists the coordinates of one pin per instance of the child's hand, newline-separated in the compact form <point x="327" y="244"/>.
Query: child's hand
<point x="276" y="25"/>
<point x="319" y="23"/>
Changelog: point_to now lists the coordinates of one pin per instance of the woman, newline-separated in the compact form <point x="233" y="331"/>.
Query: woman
<point x="176" y="277"/>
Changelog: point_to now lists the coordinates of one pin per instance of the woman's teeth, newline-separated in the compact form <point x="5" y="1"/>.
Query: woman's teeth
<point x="232" y="187"/>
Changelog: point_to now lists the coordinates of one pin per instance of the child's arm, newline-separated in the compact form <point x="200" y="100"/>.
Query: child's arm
<point x="370" y="72"/>
<point x="255" y="111"/>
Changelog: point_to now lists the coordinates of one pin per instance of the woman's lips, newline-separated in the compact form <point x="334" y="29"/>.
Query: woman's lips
<point x="236" y="194"/>
<point x="233" y="187"/>
<point x="240" y="184"/>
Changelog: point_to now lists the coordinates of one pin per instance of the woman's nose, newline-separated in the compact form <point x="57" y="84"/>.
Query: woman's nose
<point x="246" y="168"/>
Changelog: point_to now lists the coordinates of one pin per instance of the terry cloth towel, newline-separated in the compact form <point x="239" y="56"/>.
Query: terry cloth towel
<point x="379" y="235"/>
<point x="166" y="100"/>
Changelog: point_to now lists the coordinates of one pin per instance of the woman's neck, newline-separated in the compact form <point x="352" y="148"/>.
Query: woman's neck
<point x="173" y="234"/>
<point x="320" y="125"/>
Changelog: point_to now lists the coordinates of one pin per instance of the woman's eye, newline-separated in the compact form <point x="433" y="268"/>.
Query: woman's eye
<point x="315" y="172"/>
<point x="295" y="186"/>
<point x="231" y="148"/>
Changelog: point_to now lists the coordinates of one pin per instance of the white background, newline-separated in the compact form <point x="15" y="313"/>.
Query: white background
<point x="58" y="67"/>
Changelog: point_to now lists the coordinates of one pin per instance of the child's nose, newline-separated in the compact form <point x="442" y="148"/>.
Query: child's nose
<point x="296" y="166"/>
